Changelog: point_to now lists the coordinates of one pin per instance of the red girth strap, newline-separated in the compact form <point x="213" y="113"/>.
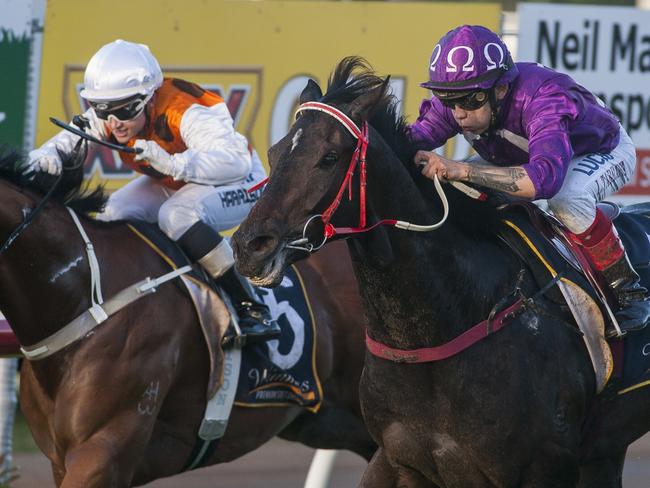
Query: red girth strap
<point x="428" y="354"/>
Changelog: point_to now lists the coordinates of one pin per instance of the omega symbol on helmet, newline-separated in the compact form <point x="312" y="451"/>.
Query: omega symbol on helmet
<point x="491" y="63"/>
<point x="435" y="55"/>
<point x="102" y="106"/>
<point x="468" y="66"/>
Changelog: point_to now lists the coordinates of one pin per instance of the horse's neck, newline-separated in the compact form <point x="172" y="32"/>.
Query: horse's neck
<point x="40" y="275"/>
<point x="437" y="284"/>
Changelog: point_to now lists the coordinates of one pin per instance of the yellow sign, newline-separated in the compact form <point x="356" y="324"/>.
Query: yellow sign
<point x="258" y="55"/>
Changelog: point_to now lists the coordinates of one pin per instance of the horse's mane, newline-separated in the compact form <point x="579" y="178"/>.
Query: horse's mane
<point x="353" y="77"/>
<point x="71" y="191"/>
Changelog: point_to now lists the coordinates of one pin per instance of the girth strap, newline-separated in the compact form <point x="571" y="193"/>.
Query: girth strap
<point x="466" y="339"/>
<point x="87" y="321"/>
<point x="99" y="310"/>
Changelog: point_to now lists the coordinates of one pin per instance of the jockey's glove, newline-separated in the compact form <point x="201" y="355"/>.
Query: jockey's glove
<point x="40" y="160"/>
<point x="156" y="156"/>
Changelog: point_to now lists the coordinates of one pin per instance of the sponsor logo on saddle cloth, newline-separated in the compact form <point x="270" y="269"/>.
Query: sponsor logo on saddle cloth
<point x="283" y="371"/>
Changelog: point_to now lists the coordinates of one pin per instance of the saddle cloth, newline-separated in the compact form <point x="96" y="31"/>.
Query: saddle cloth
<point x="276" y="373"/>
<point x="283" y="371"/>
<point x="542" y="243"/>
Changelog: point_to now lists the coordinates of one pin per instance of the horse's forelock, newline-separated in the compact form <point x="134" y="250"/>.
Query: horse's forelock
<point x="353" y="77"/>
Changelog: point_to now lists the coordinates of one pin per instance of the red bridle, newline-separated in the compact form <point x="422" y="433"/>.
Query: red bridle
<point x="358" y="158"/>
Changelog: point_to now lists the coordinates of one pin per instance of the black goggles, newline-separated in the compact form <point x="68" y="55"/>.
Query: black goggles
<point x="467" y="101"/>
<point x="120" y="109"/>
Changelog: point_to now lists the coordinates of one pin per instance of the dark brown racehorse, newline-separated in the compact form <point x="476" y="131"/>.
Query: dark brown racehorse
<point x="517" y="409"/>
<point x="84" y="405"/>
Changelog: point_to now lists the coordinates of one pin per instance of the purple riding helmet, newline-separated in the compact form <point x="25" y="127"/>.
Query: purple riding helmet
<point x="469" y="58"/>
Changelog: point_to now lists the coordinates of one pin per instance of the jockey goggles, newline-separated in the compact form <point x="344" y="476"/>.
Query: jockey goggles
<point x="120" y="109"/>
<point x="471" y="100"/>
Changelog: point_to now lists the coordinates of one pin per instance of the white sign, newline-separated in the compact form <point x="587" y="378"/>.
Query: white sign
<point x="606" y="49"/>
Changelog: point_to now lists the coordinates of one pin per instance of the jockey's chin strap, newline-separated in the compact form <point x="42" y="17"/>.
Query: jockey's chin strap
<point x="359" y="159"/>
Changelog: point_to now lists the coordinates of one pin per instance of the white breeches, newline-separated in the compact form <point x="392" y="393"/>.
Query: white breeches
<point x="221" y="207"/>
<point x="591" y="178"/>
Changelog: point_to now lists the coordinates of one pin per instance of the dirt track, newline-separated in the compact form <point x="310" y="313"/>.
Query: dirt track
<point x="282" y="464"/>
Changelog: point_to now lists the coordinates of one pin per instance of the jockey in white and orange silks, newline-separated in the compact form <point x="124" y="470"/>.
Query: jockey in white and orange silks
<point x="196" y="168"/>
<point x="540" y="135"/>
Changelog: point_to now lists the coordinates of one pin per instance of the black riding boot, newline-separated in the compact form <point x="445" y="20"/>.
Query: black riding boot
<point x="204" y="245"/>
<point x="255" y="321"/>
<point x="634" y="311"/>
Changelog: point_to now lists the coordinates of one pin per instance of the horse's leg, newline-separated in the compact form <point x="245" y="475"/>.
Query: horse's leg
<point x="109" y="457"/>
<point x="381" y="474"/>
<point x="603" y="472"/>
<point x="331" y="428"/>
<point x="553" y="467"/>
<point x="57" y="473"/>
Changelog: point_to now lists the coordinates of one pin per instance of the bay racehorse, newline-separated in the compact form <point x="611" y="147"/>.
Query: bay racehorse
<point x="90" y="406"/>
<point x="517" y="409"/>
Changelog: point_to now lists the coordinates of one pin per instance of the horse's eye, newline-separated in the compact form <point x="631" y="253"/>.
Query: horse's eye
<point x="330" y="158"/>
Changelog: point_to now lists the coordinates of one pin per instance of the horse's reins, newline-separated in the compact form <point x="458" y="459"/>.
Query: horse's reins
<point x="32" y="215"/>
<point x="359" y="158"/>
<point x="81" y="123"/>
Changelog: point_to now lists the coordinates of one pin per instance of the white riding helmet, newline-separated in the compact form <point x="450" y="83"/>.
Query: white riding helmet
<point x="121" y="69"/>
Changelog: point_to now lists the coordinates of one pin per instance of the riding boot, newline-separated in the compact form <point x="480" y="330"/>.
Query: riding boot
<point x="255" y="321"/>
<point x="604" y="247"/>
<point x="204" y="245"/>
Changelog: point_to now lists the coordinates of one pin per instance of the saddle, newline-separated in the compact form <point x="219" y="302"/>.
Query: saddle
<point x="548" y="249"/>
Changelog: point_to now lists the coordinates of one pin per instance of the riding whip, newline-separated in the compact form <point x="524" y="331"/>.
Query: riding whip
<point x="84" y="135"/>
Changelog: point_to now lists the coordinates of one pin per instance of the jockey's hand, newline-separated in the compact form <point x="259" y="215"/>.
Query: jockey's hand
<point x="446" y="169"/>
<point x="155" y="155"/>
<point x="40" y="161"/>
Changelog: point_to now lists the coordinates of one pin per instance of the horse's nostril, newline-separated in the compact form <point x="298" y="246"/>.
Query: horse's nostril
<point x="262" y="244"/>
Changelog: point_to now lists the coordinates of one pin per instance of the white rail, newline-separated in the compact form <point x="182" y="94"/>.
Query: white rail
<point x="320" y="470"/>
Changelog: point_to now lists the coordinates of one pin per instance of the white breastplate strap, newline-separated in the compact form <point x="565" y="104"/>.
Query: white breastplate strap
<point x="87" y="321"/>
<point x="99" y="311"/>
<point x="95" y="276"/>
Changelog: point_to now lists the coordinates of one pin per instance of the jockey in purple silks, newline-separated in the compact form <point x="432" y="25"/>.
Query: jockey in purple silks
<point x="539" y="135"/>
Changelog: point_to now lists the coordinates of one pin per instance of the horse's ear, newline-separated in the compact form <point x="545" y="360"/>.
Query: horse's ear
<point x="361" y="109"/>
<point x="311" y="92"/>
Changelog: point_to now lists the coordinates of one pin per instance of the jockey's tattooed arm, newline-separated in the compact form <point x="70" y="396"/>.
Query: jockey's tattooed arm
<point x="513" y="179"/>
<point x="509" y="179"/>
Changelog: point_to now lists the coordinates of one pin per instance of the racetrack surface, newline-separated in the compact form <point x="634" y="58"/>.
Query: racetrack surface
<point x="284" y="464"/>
